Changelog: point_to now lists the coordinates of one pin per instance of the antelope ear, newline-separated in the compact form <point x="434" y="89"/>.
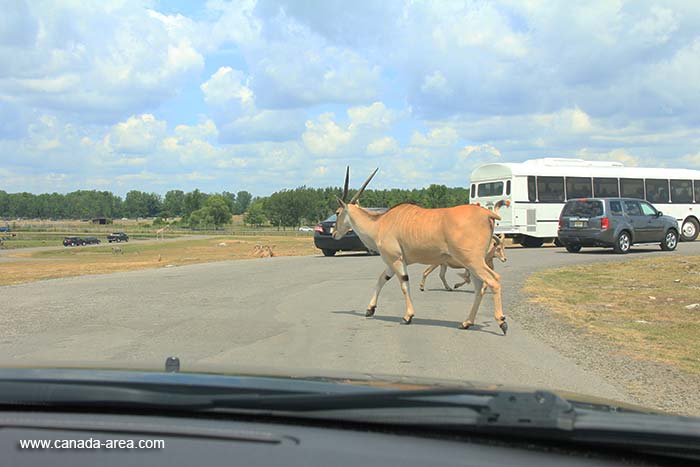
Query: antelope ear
<point x="341" y="203"/>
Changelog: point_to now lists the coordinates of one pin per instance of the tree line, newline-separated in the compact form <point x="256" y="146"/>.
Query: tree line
<point x="303" y="205"/>
<point x="284" y="208"/>
<point x="87" y="204"/>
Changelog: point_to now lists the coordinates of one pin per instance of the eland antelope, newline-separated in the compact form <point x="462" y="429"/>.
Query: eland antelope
<point x="408" y="234"/>
<point x="497" y="250"/>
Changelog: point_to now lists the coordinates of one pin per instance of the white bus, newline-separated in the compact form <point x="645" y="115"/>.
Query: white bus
<point x="537" y="190"/>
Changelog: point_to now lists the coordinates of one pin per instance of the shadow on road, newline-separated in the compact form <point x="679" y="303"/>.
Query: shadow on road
<point x="606" y="251"/>
<point x="418" y="321"/>
<point x="447" y="291"/>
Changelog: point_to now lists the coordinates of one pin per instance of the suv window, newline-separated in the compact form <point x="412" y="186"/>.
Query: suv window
<point x="632" y="208"/>
<point x="588" y="208"/>
<point x="615" y="208"/>
<point x="648" y="209"/>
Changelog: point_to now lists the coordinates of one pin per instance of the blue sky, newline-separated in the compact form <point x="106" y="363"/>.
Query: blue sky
<point x="263" y="95"/>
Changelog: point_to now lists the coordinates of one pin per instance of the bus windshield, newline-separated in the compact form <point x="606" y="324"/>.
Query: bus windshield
<point x="490" y="189"/>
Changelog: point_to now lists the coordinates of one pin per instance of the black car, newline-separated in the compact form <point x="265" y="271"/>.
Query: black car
<point x="615" y="222"/>
<point x="91" y="241"/>
<point x="73" y="241"/>
<point x="329" y="246"/>
<point x="117" y="237"/>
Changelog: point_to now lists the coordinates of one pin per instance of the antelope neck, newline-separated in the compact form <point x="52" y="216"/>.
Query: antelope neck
<point x="364" y="224"/>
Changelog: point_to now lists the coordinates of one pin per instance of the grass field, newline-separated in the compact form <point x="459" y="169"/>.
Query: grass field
<point x="646" y="307"/>
<point x="76" y="261"/>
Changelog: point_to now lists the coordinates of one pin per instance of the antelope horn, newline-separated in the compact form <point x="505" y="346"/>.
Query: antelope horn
<point x="347" y="181"/>
<point x="362" y="188"/>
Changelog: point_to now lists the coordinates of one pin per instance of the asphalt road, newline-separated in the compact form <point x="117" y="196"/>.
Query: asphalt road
<point x="292" y="313"/>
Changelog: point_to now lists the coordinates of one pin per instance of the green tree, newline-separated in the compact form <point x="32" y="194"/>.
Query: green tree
<point x="218" y="208"/>
<point x="256" y="214"/>
<point x="242" y="202"/>
<point x="194" y="200"/>
<point x="174" y="203"/>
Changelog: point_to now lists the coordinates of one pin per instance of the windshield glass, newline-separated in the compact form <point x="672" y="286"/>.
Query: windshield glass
<point x="170" y="170"/>
<point x="490" y="189"/>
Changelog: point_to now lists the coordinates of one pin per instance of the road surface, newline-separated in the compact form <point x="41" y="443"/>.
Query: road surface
<point x="292" y="313"/>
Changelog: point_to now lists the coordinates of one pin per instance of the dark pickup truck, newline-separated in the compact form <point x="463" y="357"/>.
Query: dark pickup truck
<point x="73" y="241"/>
<point x="117" y="237"/>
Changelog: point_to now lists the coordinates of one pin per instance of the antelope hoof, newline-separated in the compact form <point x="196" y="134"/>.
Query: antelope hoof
<point x="407" y="321"/>
<point x="370" y="311"/>
<point x="422" y="289"/>
<point x="504" y="326"/>
<point x="465" y="325"/>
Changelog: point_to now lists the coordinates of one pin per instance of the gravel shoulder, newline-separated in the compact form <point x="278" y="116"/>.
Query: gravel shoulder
<point x="646" y="382"/>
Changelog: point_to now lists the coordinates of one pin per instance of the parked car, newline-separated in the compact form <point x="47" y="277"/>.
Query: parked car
<point x="615" y="222"/>
<point x="305" y="228"/>
<point x="91" y="241"/>
<point x="5" y="228"/>
<point x="329" y="246"/>
<point x="117" y="237"/>
<point x="73" y="241"/>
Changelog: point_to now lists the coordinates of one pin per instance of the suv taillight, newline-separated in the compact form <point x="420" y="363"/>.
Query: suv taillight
<point x="318" y="229"/>
<point x="604" y="223"/>
<point x="561" y="223"/>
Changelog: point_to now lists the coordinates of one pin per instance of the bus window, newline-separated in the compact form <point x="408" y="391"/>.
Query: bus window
<point x="697" y="191"/>
<point x="605" y="188"/>
<point x="578" y="187"/>
<point x="531" y="189"/>
<point x="508" y="187"/>
<point x="632" y="188"/>
<point x="657" y="191"/>
<point x="490" y="189"/>
<point x="472" y="195"/>
<point x="550" y="189"/>
<point x="681" y="191"/>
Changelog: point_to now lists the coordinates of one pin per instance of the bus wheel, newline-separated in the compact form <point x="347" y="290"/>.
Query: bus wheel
<point x="690" y="230"/>
<point x="532" y="242"/>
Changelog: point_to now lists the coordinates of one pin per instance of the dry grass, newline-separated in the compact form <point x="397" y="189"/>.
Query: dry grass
<point x="34" y="266"/>
<point x="645" y="306"/>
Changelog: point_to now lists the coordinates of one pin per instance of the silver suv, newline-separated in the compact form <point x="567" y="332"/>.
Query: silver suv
<point x="615" y="222"/>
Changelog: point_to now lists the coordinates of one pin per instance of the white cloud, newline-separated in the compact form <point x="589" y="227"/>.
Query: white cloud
<point x="376" y="116"/>
<point x="226" y="85"/>
<point x="435" y="83"/>
<point x="94" y="61"/>
<point x="138" y="134"/>
<point x="386" y="145"/>
<point x="480" y="149"/>
<point x="443" y="136"/>
<point x="324" y="136"/>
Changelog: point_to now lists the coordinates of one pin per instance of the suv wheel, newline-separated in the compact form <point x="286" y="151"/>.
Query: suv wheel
<point x="573" y="248"/>
<point x="328" y="252"/>
<point x="670" y="241"/>
<point x="690" y="230"/>
<point x="623" y="243"/>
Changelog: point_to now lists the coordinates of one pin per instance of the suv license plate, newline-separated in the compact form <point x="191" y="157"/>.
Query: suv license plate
<point x="579" y="224"/>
